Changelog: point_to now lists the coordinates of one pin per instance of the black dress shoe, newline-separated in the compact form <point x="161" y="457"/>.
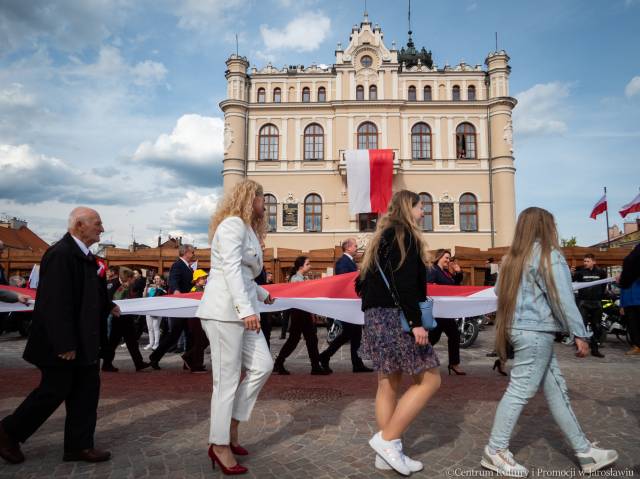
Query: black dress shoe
<point x="279" y="369"/>
<point x="319" y="371"/>
<point x="155" y="365"/>
<point x="109" y="368"/>
<point x="597" y="354"/>
<point x="199" y="370"/>
<point x="324" y="362"/>
<point x="142" y="366"/>
<point x="87" y="455"/>
<point x="9" y="449"/>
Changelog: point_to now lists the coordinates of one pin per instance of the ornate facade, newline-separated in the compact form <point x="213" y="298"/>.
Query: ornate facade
<point x="449" y="128"/>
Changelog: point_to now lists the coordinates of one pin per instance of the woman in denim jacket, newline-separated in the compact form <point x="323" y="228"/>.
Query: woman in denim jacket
<point x="535" y="300"/>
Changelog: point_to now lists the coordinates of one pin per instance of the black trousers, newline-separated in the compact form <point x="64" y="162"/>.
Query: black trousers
<point x="123" y="327"/>
<point x="591" y="312"/>
<point x="78" y="387"/>
<point x="300" y="324"/>
<point x="194" y="355"/>
<point x="450" y="328"/>
<point x="350" y="333"/>
<point x="632" y="314"/>
<point x="265" y="327"/>
<point x="176" y="327"/>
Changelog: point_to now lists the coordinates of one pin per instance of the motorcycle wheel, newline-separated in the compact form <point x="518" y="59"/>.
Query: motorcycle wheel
<point x="469" y="333"/>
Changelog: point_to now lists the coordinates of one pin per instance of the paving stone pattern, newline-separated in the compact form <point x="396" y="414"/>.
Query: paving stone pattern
<point x="156" y="423"/>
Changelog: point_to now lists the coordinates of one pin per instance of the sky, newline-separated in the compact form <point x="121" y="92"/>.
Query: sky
<point x="113" y="104"/>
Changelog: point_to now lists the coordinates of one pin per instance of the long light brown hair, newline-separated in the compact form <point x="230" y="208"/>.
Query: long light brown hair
<point x="535" y="225"/>
<point x="399" y="217"/>
<point x="239" y="202"/>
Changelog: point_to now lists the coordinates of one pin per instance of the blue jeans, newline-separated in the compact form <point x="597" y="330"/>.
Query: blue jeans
<point x="535" y="364"/>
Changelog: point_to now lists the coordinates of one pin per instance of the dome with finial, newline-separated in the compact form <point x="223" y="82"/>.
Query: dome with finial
<point x="409" y="55"/>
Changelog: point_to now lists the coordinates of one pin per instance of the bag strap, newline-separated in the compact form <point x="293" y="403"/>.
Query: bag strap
<point x="386" y="282"/>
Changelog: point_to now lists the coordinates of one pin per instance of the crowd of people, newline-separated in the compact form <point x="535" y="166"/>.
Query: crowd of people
<point x="77" y="328"/>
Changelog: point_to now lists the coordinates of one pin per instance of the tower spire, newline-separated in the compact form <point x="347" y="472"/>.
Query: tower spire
<point x="410" y="41"/>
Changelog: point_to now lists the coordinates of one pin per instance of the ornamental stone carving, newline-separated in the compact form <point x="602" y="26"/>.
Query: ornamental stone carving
<point x="228" y="137"/>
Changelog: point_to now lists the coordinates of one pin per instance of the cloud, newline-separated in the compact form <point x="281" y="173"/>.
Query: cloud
<point x="541" y="110"/>
<point x="148" y="72"/>
<point x="633" y="87"/>
<point x="207" y="15"/>
<point x="31" y="177"/>
<point x="304" y="33"/>
<point x="192" y="152"/>
<point x="70" y="26"/>
<point x="15" y="96"/>
<point x="193" y="212"/>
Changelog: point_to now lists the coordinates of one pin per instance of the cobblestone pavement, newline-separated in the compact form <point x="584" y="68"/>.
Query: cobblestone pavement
<point x="304" y="426"/>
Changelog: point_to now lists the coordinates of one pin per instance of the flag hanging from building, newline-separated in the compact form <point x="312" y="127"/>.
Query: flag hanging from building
<point x="369" y="179"/>
<point x="632" y="207"/>
<point x="600" y="207"/>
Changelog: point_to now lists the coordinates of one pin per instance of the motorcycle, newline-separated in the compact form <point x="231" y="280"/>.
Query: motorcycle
<point x="469" y="329"/>
<point x="613" y="322"/>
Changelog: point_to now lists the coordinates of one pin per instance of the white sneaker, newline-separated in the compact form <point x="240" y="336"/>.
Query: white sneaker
<point x="389" y="453"/>
<point x="596" y="458"/>
<point x="147" y="347"/>
<point x="414" y="466"/>
<point x="503" y="463"/>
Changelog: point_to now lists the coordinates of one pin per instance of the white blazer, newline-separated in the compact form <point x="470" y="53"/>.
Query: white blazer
<point x="236" y="259"/>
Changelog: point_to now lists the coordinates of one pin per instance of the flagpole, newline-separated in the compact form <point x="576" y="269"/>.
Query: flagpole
<point x="607" y="216"/>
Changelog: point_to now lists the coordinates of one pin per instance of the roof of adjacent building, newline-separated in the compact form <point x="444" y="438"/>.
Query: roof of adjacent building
<point x="22" y="238"/>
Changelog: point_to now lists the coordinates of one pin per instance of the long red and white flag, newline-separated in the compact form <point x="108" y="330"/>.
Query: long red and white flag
<point x="599" y="208"/>
<point x="333" y="297"/>
<point x="632" y="207"/>
<point x="369" y="179"/>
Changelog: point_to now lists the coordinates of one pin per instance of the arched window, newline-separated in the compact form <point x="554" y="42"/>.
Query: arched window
<point x="367" y="136"/>
<point x="313" y="142"/>
<point x="455" y="93"/>
<point x="277" y="95"/>
<point x="261" y="95"/>
<point x="359" y="92"/>
<point x="427" y="93"/>
<point x="427" y="208"/>
<point x="268" y="143"/>
<point x="271" y="212"/>
<point x="412" y="93"/>
<point x="312" y="213"/>
<point x="306" y="95"/>
<point x="367" y="222"/>
<point x="468" y="212"/>
<point x="373" y="92"/>
<point x="421" y="142"/>
<point x="471" y="93"/>
<point x="322" y="94"/>
<point x="466" y="141"/>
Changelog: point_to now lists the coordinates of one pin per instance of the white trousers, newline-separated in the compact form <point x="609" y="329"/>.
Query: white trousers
<point x="153" y="326"/>
<point x="234" y="348"/>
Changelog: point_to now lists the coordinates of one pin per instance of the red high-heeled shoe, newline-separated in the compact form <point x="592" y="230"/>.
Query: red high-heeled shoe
<point x="227" y="471"/>
<point x="239" y="450"/>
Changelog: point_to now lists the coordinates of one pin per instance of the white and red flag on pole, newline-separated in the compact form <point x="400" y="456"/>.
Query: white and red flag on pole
<point x="599" y="208"/>
<point x="369" y="178"/>
<point x="632" y="207"/>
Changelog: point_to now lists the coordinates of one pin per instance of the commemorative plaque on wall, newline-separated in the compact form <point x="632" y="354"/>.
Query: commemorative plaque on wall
<point x="290" y="214"/>
<point x="447" y="216"/>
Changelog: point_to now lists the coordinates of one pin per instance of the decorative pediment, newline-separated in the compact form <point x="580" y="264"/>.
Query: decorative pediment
<point x="365" y="37"/>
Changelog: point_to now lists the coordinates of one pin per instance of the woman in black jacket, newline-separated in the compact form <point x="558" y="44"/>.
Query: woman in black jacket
<point x="440" y="273"/>
<point x="398" y="249"/>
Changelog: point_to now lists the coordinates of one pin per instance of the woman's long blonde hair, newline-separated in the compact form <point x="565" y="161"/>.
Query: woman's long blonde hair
<point x="399" y="217"/>
<point x="535" y="225"/>
<point x="239" y="202"/>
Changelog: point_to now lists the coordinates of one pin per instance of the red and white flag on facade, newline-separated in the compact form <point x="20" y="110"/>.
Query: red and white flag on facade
<point x="632" y="207"/>
<point x="600" y="207"/>
<point x="369" y="178"/>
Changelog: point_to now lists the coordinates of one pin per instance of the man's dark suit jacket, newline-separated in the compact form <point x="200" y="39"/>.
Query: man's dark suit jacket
<point x="345" y="265"/>
<point x="180" y="277"/>
<point x="71" y="307"/>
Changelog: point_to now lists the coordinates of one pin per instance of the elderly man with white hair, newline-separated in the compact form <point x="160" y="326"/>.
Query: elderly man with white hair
<point x="67" y="330"/>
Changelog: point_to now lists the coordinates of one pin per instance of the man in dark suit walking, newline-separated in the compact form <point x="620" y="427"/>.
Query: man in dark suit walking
<point x="67" y="330"/>
<point x="350" y="332"/>
<point x="180" y="281"/>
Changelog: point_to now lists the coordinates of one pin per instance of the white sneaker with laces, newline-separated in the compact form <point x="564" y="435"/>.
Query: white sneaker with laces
<point x="503" y="463"/>
<point x="595" y="458"/>
<point x="389" y="453"/>
<point x="413" y="465"/>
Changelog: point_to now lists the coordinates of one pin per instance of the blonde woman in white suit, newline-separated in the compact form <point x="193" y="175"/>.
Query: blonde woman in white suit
<point x="230" y="318"/>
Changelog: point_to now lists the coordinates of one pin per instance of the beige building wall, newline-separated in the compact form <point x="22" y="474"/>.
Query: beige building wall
<point x="489" y="175"/>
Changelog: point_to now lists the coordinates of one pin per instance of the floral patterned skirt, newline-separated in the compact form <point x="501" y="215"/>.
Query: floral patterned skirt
<point x="391" y="349"/>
